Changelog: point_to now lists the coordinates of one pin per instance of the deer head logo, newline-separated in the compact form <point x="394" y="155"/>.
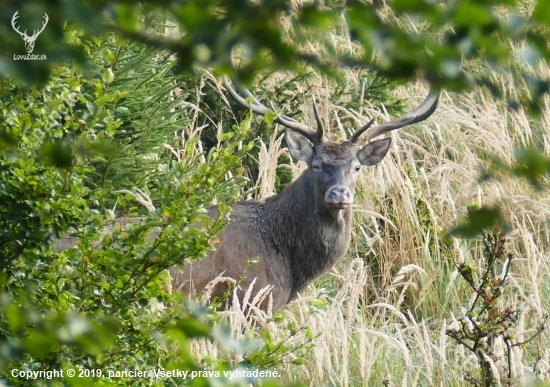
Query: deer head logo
<point x="29" y="40"/>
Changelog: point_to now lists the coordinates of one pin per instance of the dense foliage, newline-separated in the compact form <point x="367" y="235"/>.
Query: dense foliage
<point x="440" y="40"/>
<point x="107" y="126"/>
<point x="101" y="306"/>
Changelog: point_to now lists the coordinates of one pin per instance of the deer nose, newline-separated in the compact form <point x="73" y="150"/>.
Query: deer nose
<point x="338" y="196"/>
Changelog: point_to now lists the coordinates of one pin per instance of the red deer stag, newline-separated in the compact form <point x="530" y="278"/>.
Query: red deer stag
<point x="303" y="231"/>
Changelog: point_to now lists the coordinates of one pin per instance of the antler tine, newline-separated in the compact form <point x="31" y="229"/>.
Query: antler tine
<point x="13" y="20"/>
<point x="359" y="132"/>
<point x="258" y="108"/>
<point x="320" y="128"/>
<point x="44" y="23"/>
<point x="423" y="111"/>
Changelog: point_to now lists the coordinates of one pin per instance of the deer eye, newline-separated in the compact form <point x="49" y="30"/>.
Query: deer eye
<point x="357" y="168"/>
<point x="316" y="167"/>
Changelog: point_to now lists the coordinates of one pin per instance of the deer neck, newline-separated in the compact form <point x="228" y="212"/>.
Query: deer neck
<point x="301" y="198"/>
<point x="311" y="237"/>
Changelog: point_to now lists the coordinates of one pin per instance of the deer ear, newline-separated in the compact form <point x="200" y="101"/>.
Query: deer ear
<point x="298" y="146"/>
<point x="374" y="152"/>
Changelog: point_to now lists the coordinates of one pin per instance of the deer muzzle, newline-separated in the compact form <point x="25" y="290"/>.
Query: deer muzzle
<point x="339" y="197"/>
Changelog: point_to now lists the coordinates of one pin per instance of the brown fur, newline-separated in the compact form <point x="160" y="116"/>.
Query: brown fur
<point x="296" y="234"/>
<point x="301" y="232"/>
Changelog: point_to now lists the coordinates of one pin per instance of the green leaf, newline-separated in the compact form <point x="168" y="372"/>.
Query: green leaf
<point x="542" y="11"/>
<point x="143" y="302"/>
<point x="192" y="328"/>
<point x="16" y="317"/>
<point x="270" y="117"/>
<point x="108" y="75"/>
<point x="532" y="165"/>
<point x="127" y="16"/>
<point x="409" y="6"/>
<point x="311" y="15"/>
<point x="469" y="14"/>
<point x="40" y="343"/>
<point x="58" y="154"/>
<point x="245" y="125"/>
<point x="477" y="221"/>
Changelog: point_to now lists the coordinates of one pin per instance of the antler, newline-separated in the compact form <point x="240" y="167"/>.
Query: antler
<point x="24" y="34"/>
<point x="36" y="33"/>
<point x="315" y="136"/>
<point x="423" y="111"/>
<point x="15" y="16"/>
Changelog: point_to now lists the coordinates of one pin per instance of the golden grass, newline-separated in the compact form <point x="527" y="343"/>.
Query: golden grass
<point x="390" y="302"/>
<point x="387" y="322"/>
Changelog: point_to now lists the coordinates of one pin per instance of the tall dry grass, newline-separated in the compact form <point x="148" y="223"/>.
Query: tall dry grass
<point x="390" y="301"/>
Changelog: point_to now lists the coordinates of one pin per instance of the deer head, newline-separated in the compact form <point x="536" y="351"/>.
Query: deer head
<point x="335" y="166"/>
<point x="29" y="40"/>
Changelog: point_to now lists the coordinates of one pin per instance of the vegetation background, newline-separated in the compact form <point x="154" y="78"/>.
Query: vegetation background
<point x="127" y="117"/>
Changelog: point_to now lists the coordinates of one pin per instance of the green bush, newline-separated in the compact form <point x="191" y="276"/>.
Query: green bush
<point x="103" y="306"/>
